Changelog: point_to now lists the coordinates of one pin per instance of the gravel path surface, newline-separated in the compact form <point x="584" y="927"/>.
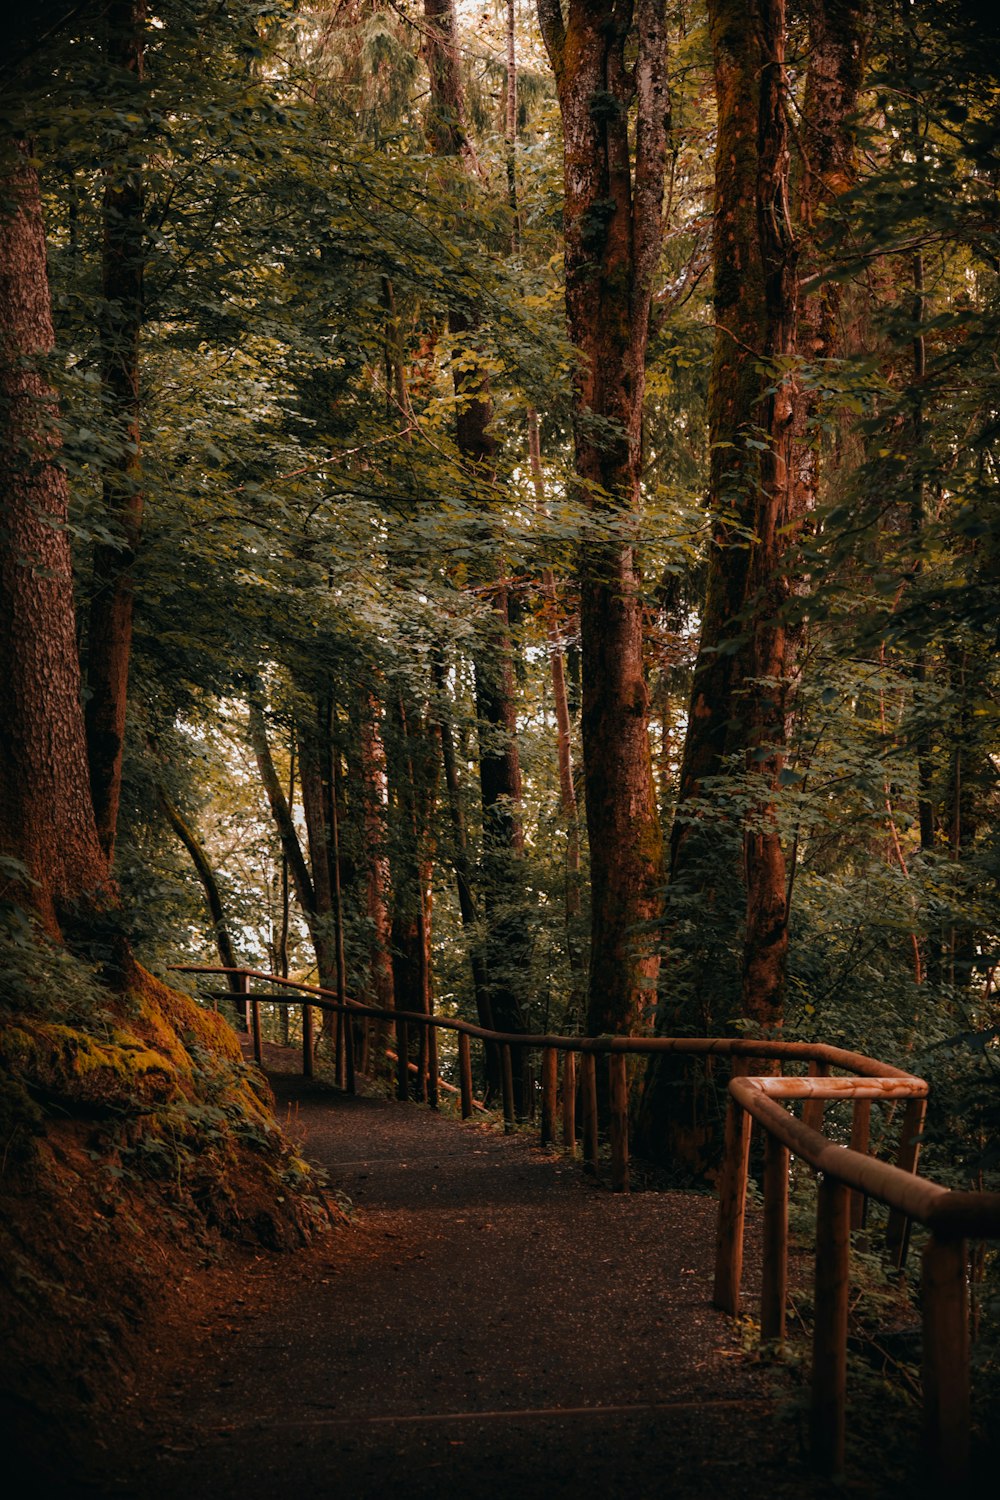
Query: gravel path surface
<point x="492" y="1321"/>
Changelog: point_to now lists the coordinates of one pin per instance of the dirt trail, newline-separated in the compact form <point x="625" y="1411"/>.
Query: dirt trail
<point x="492" y="1321"/>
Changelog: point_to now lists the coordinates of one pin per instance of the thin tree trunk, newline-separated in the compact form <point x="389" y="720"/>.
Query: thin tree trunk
<point x="379" y="878"/>
<point x="412" y="790"/>
<point x="109" y="635"/>
<point x="564" y="746"/>
<point x="301" y="878"/>
<point x="507" y="939"/>
<point x="460" y="850"/>
<point x="314" y="752"/>
<point x="209" y="884"/>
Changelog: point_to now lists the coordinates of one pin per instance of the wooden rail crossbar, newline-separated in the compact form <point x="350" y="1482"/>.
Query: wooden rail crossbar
<point x="848" y="1176"/>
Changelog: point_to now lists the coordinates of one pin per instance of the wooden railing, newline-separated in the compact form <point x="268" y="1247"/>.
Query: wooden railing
<point x="848" y="1176"/>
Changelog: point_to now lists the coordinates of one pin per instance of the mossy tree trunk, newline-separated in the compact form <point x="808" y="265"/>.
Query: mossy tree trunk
<point x="612" y="222"/>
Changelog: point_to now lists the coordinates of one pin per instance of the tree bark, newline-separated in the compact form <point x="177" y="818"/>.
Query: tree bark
<point x="734" y="391"/>
<point x="412" y="791"/>
<point x="209" y="884"/>
<point x="301" y="879"/>
<point x="47" y="821"/>
<point x="507" y="939"/>
<point x="778" y="513"/>
<point x="461" y="863"/>
<point x="612" y="224"/>
<point x="378" y="885"/>
<point x="109" y="635"/>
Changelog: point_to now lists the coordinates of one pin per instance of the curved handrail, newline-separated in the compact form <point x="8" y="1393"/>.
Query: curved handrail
<point x="847" y="1174"/>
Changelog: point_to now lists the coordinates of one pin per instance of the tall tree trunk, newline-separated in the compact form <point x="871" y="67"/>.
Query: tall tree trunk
<point x="47" y="823"/>
<point x="412" y="788"/>
<point x="564" y="750"/>
<point x="550" y="609"/>
<point x="734" y="391"/>
<point x="612" y="222"/>
<point x="507" y="938"/>
<point x="778" y="513"/>
<point x="314" y="782"/>
<point x="747" y="653"/>
<point x="378" y="876"/>
<point x="461" y="863"/>
<point x="109" y="636"/>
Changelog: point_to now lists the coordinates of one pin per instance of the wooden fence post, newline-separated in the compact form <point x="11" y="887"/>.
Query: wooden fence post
<point x="569" y="1101"/>
<point x="732" y="1207"/>
<point x="258" y="1047"/>
<point x="308" y="1050"/>
<point x="433" y="1081"/>
<point x="774" y="1270"/>
<point x="507" y="1080"/>
<point x="861" y="1123"/>
<point x="829" y="1363"/>
<point x="465" y="1073"/>
<point x="897" y="1230"/>
<point x="340" y="1050"/>
<point x="945" y="1305"/>
<point x="241" y="987"/>
<point x="402" y="1060"/>
<point x="422" y="1090"/>
<point x="350" y="1079"/>
<point x="618" y="1100"/>
<point x="550" y="1089"/>
<point x="588" y="1104"/>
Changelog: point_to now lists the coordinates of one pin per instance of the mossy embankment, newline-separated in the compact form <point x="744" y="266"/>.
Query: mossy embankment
<point x="138" y="1153"/>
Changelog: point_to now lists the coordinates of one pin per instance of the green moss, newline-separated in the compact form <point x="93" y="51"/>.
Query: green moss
<point x="64" y="1064"/>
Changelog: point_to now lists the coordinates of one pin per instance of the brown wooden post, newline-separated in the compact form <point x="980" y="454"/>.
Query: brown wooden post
<point x="507" y="1081"/>
<point x="340" y="1051"/>
<point x="897" y="1230"/>
<point x="402" y="1060"/>
<point x="241" y="985"/>
<point x="465" y="1073"/>
<point x="945" y="1303"/>
<point x="774" y="1273"/>
<point x="861" y="1125"/>
<point x="732" y="1207"/>
<point x="258" y="1049"/>
<point x="308" y="1040"/>
<point x="813" y="1109"/>
<point x="422" y="1071"/>
<point x="350" y="1080"/>
<point x="588" y="1104"/>
<point x="569" y="1101"/>
<point x="829" y="1365"/>
<point x="618" y="1100"/>
<point x="433" y="1081"/>
<point x="550" y="1090"/>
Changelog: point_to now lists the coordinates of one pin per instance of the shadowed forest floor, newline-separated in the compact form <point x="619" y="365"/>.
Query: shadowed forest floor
<point x="491" y="1321"/>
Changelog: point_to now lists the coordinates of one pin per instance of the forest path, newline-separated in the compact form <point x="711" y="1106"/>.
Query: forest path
<point x="491" y="1322"/>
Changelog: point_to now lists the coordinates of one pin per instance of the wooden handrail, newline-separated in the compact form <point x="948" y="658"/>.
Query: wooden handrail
<point x="848" y="1175"/>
